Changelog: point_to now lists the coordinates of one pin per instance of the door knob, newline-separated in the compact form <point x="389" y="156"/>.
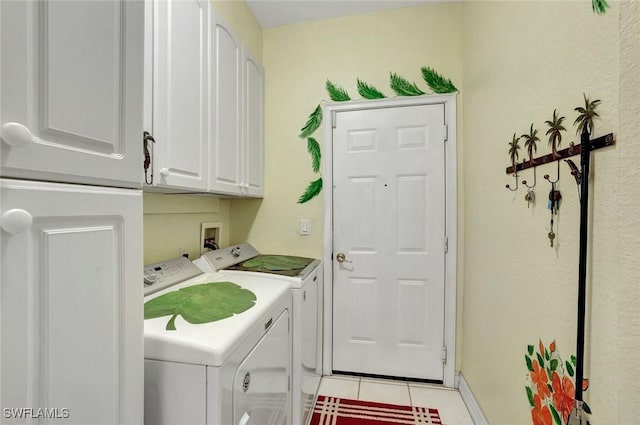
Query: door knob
<point x="164" y="172"/>
<point x="16" y="221"/>
<point x="16" y="135"/>
<point x="342" y="258"/>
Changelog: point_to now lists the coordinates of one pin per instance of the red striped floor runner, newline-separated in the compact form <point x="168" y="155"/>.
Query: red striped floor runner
<point x="342" y="411"/>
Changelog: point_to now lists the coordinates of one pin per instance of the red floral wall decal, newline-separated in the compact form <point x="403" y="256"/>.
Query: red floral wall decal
<point x="551" y="393"/>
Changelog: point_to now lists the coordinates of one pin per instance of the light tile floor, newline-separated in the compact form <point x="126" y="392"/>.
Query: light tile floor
<point x="448" y="402"/>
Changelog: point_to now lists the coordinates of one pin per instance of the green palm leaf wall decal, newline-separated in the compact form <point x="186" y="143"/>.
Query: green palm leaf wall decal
<point x="403" y="87"/>
<point x="314" y="121"/>
<point x="313" y="190"/>
<point x="337" y="93"/>
<point x="599" y="6"/>
<point x="313" y="147"/>
<point x="369" y="92"/>
<point x="437" y="82"/>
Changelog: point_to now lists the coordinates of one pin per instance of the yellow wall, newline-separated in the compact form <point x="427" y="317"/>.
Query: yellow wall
<point x="172" y="222"/>
<point x="298" y="59"/>
<point x="624" y="317"/>
<point x="522" y="60"/>
<point x="244" y="24"/>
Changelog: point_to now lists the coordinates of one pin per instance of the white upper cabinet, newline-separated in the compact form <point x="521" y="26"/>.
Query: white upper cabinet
<point x="236" y="157"/>
<point x="253" y="126"/>
<point x="177" y="103"/>
<point x="203" y="103"/>
<point x="72" y="91"/>
<point x="226" y="100"/>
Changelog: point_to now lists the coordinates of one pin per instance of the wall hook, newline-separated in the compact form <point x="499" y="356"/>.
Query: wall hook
<point x="524" y="182"/>
<point x="530" y="196"/>
<point x="509" y="186"/>
<point x="547" y="177"/>
<point x="574" y="170"/>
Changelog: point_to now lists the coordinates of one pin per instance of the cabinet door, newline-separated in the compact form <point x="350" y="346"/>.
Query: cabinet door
<point x="180" y="92"/>
<point x="226" y="95"/>
<point x="253" y="160"/>
<point x="71" y="306"/>
<point x="72" y="90"/>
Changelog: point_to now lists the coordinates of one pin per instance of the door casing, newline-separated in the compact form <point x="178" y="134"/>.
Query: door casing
<point x="451" y="214"/>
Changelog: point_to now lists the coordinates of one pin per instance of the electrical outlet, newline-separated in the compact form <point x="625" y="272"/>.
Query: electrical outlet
<point x="183" y="252"/>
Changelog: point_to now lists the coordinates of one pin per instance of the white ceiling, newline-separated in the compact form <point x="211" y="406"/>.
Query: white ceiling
<point x="273" y="13"/>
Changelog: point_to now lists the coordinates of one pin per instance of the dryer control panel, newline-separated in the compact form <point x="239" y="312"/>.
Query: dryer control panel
<point x="222" y="258"/>
<point x="168" y="273"/>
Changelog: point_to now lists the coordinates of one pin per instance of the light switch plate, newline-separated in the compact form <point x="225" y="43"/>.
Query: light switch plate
<point x="305" y="226"/>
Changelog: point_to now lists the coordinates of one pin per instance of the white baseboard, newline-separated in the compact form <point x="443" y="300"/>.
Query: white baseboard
<point x="470" y="401"/>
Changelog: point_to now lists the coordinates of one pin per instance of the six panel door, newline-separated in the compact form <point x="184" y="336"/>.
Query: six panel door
<point x="389" y="223"/>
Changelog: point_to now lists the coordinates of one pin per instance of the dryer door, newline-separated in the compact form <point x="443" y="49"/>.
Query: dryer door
<point x="261" y="389"/>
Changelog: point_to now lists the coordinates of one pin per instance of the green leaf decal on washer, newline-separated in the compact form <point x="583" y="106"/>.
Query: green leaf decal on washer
<point x="275" y="262"/>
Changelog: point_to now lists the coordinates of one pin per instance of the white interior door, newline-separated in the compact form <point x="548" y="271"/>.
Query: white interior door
<point x="389" y="222"/>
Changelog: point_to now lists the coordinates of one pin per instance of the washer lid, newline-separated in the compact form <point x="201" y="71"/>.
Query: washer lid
<point x="212" y="343"/>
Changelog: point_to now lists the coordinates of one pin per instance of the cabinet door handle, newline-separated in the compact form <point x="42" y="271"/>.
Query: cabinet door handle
<point x="16" y="221"/>
<point x="165" y="172"/>
<point x="244" y="420"/>
<point x="16" y="134"/>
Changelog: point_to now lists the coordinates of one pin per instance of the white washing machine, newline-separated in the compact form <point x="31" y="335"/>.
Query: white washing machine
<point x="235" y="371"/>
<point x="306" y="286"/>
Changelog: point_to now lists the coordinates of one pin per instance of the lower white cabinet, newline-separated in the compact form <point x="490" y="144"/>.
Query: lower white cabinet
<point x="71" y="321"/>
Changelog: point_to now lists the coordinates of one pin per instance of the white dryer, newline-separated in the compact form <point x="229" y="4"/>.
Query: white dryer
<point x="235" y="371"/>
<point x="306" y="286"/>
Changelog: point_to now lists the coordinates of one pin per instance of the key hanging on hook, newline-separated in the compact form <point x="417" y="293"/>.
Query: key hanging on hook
<point x="554" y="200"/>
<point x="551" y="235"/>
<point x="554" y="195"/>
<point x="530" y="197"/>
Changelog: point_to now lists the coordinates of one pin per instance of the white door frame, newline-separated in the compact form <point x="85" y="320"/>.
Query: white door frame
<point x="451" y="217"/>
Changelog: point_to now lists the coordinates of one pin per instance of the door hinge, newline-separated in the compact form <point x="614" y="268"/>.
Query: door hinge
<point x="446" y="244"/>
<point x="444" y="355"/>
<point x="334" y="120"/>
<point x="446" y="132"/>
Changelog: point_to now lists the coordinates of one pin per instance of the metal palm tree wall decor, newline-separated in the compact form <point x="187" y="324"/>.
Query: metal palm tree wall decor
<point x="531" y="142"/>
<point x="586" y="115"/>
<point x="555" y="132"/>
<point x="531" y="145"/>
<point x="400" y="85"/>
<point x="562" y="402"/>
